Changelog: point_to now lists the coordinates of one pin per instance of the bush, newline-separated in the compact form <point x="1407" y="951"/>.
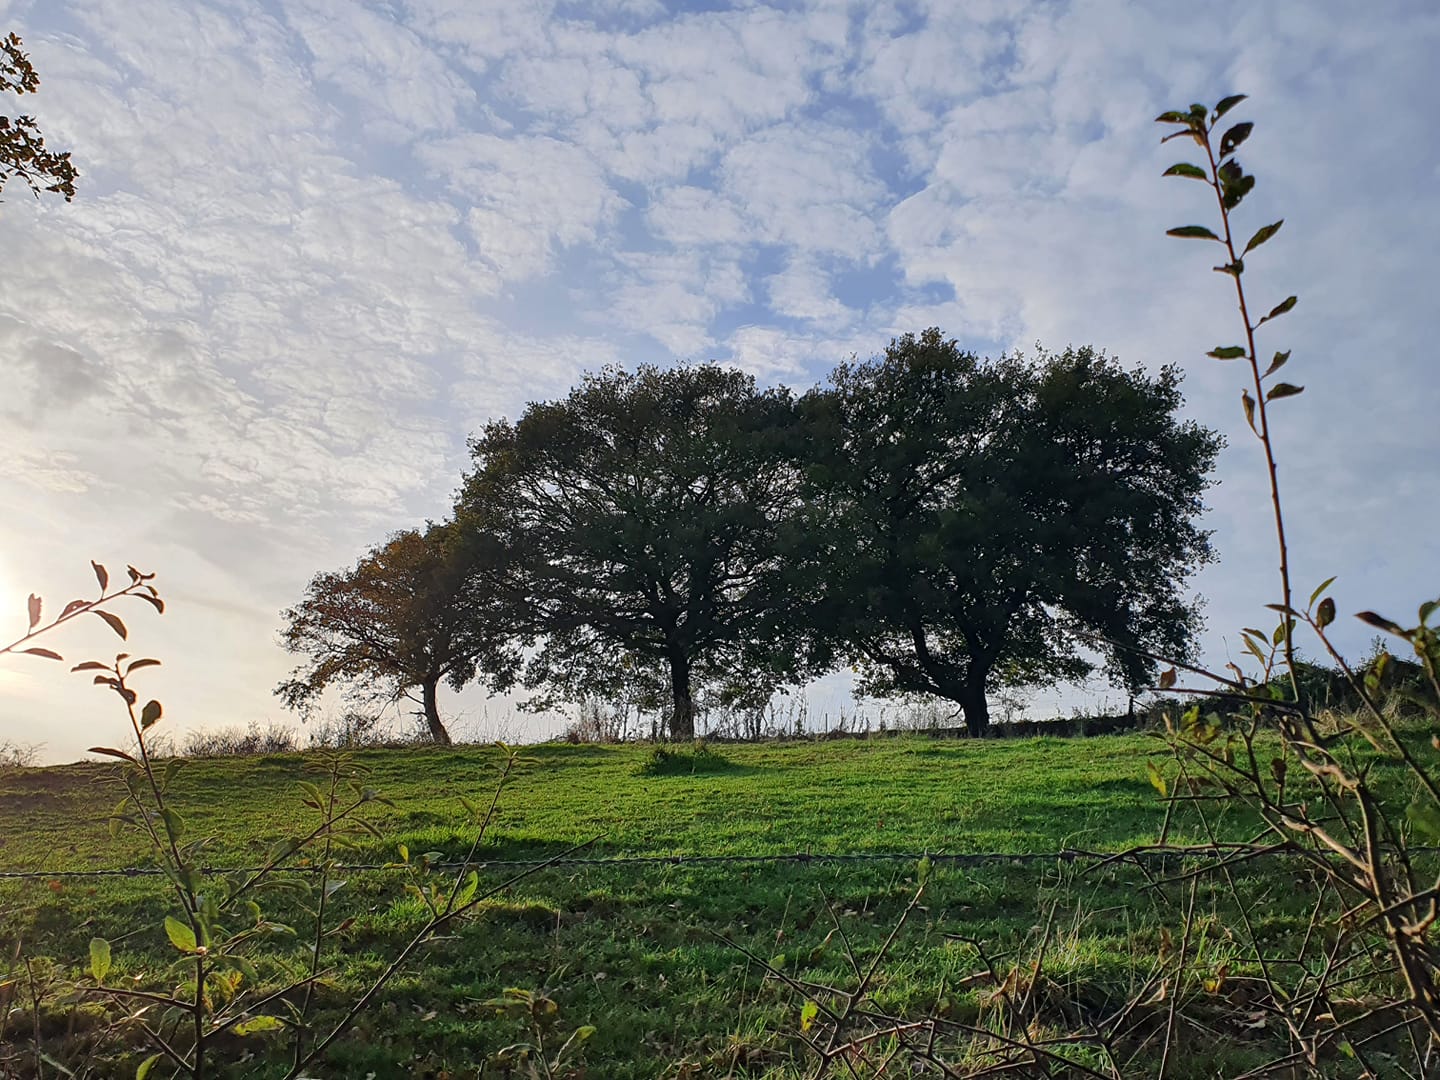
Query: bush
<point x="668" y="761"/>
<point x="236" y="741"/>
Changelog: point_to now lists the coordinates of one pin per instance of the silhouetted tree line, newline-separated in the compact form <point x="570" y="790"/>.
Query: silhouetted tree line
<point x="943" y="524"/>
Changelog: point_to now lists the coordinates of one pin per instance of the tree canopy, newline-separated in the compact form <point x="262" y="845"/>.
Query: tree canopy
<point x="645" y="517"/>
<point x="980" y="524"/>
<point x="415" y="611"/>
<point x="22" y="147"/>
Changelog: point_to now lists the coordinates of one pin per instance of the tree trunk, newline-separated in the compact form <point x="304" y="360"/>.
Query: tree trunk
<point x="977" y="708"/>
<point x="682" y="717"/>
<point x="438" y="734"/>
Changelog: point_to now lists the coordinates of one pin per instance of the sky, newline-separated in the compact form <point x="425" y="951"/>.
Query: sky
<point x="317" y="243"/>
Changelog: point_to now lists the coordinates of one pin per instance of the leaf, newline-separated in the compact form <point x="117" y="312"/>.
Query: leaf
<point x="145" y="1066"/>
<point x="1326" y="613"/>
<point x="1263" y="234"/>
<point x="1321" y="588"/>
<point x="1424" y="815"/>
<point x="113" y="621"/>
<point x="110" y="751"/>
<point x="1227" y="352"/>
<point x="154" y="601"/>
<point x="1280" y="308"/>
<point x="101" y="575"/>
<point x="1231" y="140"/>
<point x="1157" y="781"/>
<point x="174" y="823"/>
<point x="35" y="606"/>
<point x="136" y="665"/>
<point x="1228" y="103"/>
<point x="48" y="654"/>
<point x="91" y="665"/>
<point x="180" y="935"/>
<point x="150" y="714"/>
<point x="1277" y="363"/>
<point x="1173" y="117"/>
<point x="1283" y="390"/>
<point x="1167" y="679"/>
<point x="1184" y="168"/>
<point x="99" y="958"/>
<point x="1249" y="405"/>
<point x="1192" y="232"/>
<point x="1380" y="622"/>
<point x="256" y="1024"/>
<point x="808" y="1012"/>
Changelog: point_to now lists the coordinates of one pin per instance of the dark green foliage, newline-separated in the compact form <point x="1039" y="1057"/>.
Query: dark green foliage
<point x="667" y="761"/>
<point x="645" y="515"/>
<point x="978" y="524"/>
<point x="415" y="611"/>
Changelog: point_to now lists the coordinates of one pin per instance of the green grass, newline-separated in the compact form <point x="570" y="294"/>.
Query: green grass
<point x="635" y="950"/>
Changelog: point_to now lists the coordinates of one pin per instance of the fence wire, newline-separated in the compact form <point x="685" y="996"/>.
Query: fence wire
<point x="1157" y="853"/>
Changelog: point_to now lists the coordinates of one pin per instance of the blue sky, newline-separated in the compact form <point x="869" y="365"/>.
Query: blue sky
<point x="318" y="242"/>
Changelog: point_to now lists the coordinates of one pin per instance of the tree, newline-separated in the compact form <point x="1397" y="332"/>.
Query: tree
<point x="410" y="614"/>
<point x="645" y="514"/>
<point x="22" y="147"/>
<point x="980" y="524"/>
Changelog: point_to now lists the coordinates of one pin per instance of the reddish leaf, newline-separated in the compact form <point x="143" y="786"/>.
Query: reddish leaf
<point x="113" y="621"/>
<point x="101" y="575"/>
<point x="47" y="653"/>
<point x="34" y="611"/>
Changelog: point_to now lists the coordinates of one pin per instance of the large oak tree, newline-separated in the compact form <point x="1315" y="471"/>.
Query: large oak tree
<point x="645" y="516"/>
<point x="414" y="612"/>
<point x="978" y="524"/>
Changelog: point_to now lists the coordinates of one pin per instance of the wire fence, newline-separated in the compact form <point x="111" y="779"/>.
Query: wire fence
<point x="1151" y="854"/>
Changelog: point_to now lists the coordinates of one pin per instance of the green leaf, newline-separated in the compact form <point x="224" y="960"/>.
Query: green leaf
<point x="1231" y="140"/>
<point x="150" y="714"/>
<point x="777" y="961"/>
<point x="1192" y="232"/>
<point x="1281" y="308"/>
<point x="255" y="1024"/>
<point x="1326" y="613"/>
<point x="99" y="959"/>
<point x="1184" y="168"/>
<point x="1228" y="103"/>
<point x="180" y="934"/>
<point x="1227" y="352"/>
<point x="808" y="1012"/>
<point x="1321" y="588"/>
<point x="1277" y="363"/>
<point x="468" y="890"/>
<point x="174" y="823"/>
<point x="1424" y="815"/>
<point x="1172" y="117"/>
<point x="1263" y="234"/>
<point x="1157" y="781"/>
<point x="145" y="1066"/>
<point x="1283" y="390"/>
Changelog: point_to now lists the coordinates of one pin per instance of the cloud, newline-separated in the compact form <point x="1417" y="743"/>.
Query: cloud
<point x="317" y="244"/>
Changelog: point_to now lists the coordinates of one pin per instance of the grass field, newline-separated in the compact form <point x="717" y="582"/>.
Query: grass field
<point x="635" y="951"/>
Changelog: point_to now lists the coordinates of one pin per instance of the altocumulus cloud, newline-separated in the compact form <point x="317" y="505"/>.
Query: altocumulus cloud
<point x="318" y="242"/>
